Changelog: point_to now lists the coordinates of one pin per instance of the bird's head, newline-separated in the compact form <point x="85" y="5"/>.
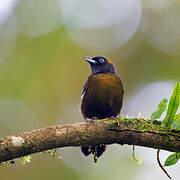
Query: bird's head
<point x="100" y="64"/>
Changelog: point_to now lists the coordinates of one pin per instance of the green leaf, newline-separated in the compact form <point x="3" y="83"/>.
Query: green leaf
<point x="26" y="159"/>
<point x="172" y="107"/>
<point x="172" y="159"/>
<point x="176" y="123"/>
<point x="160" y="109"/>
<point x="177" y="117"/>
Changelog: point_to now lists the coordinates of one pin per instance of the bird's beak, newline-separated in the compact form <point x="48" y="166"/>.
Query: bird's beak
<point x="89" y="60"/>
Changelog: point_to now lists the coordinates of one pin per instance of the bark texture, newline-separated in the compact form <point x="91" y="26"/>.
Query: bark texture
<point x="108" y="131"/>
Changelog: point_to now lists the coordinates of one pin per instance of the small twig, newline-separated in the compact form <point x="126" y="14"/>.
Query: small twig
<point x="160" y="165"/>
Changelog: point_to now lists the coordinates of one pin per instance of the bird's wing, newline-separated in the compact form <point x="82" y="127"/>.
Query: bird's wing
<point x="84" y="90"/>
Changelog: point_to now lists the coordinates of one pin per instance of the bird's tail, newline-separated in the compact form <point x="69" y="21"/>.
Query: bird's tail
<point x="97" y="150"/>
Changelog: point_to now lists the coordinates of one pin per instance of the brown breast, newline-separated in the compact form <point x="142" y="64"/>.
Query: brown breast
<point x="103" y="95"/>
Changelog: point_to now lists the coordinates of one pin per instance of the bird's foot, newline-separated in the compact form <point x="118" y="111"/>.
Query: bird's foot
<point x="91" y="120"/>
<point x="113" y="117"/>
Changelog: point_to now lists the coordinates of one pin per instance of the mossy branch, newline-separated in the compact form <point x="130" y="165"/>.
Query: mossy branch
<point x="108" y="131"/>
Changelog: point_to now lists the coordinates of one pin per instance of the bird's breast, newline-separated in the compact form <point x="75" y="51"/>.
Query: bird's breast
<point x="103" y="96"/>
<point x="104" y="85"/>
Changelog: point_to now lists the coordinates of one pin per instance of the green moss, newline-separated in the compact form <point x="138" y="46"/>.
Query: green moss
<point x="138" y="125"/>
<point x="172" y="138"/>
<point x="80" y="136"/>
<point x="9" y="148"/>
<point x="24" y="145"/>
<point x="112" y="122"/>
<point x="34" y="144"/>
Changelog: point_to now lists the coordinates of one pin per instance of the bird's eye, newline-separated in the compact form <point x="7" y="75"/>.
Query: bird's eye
<point x="101" y="60"/>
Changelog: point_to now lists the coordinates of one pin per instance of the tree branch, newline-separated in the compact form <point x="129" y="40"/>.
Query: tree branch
<point x="122" y="131"/>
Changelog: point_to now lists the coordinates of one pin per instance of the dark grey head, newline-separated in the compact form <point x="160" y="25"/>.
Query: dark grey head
<point x="100" y="64"/>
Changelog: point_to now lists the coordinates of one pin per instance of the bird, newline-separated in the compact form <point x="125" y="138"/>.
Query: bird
<point x="102" y="96"/>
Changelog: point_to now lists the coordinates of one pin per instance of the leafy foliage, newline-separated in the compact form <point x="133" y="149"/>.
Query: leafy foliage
<point x="176" y="123"/>
<point x="160" y="109"/>
<point x="172" y="107"/>
<point x="172" y="159"/>
<point x="171" y="119"/>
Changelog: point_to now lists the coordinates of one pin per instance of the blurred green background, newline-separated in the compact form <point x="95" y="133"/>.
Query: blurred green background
<point x="42" y="71"/>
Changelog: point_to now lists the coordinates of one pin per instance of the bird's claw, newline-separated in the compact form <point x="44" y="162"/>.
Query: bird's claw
<point x="91" y="120"/>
